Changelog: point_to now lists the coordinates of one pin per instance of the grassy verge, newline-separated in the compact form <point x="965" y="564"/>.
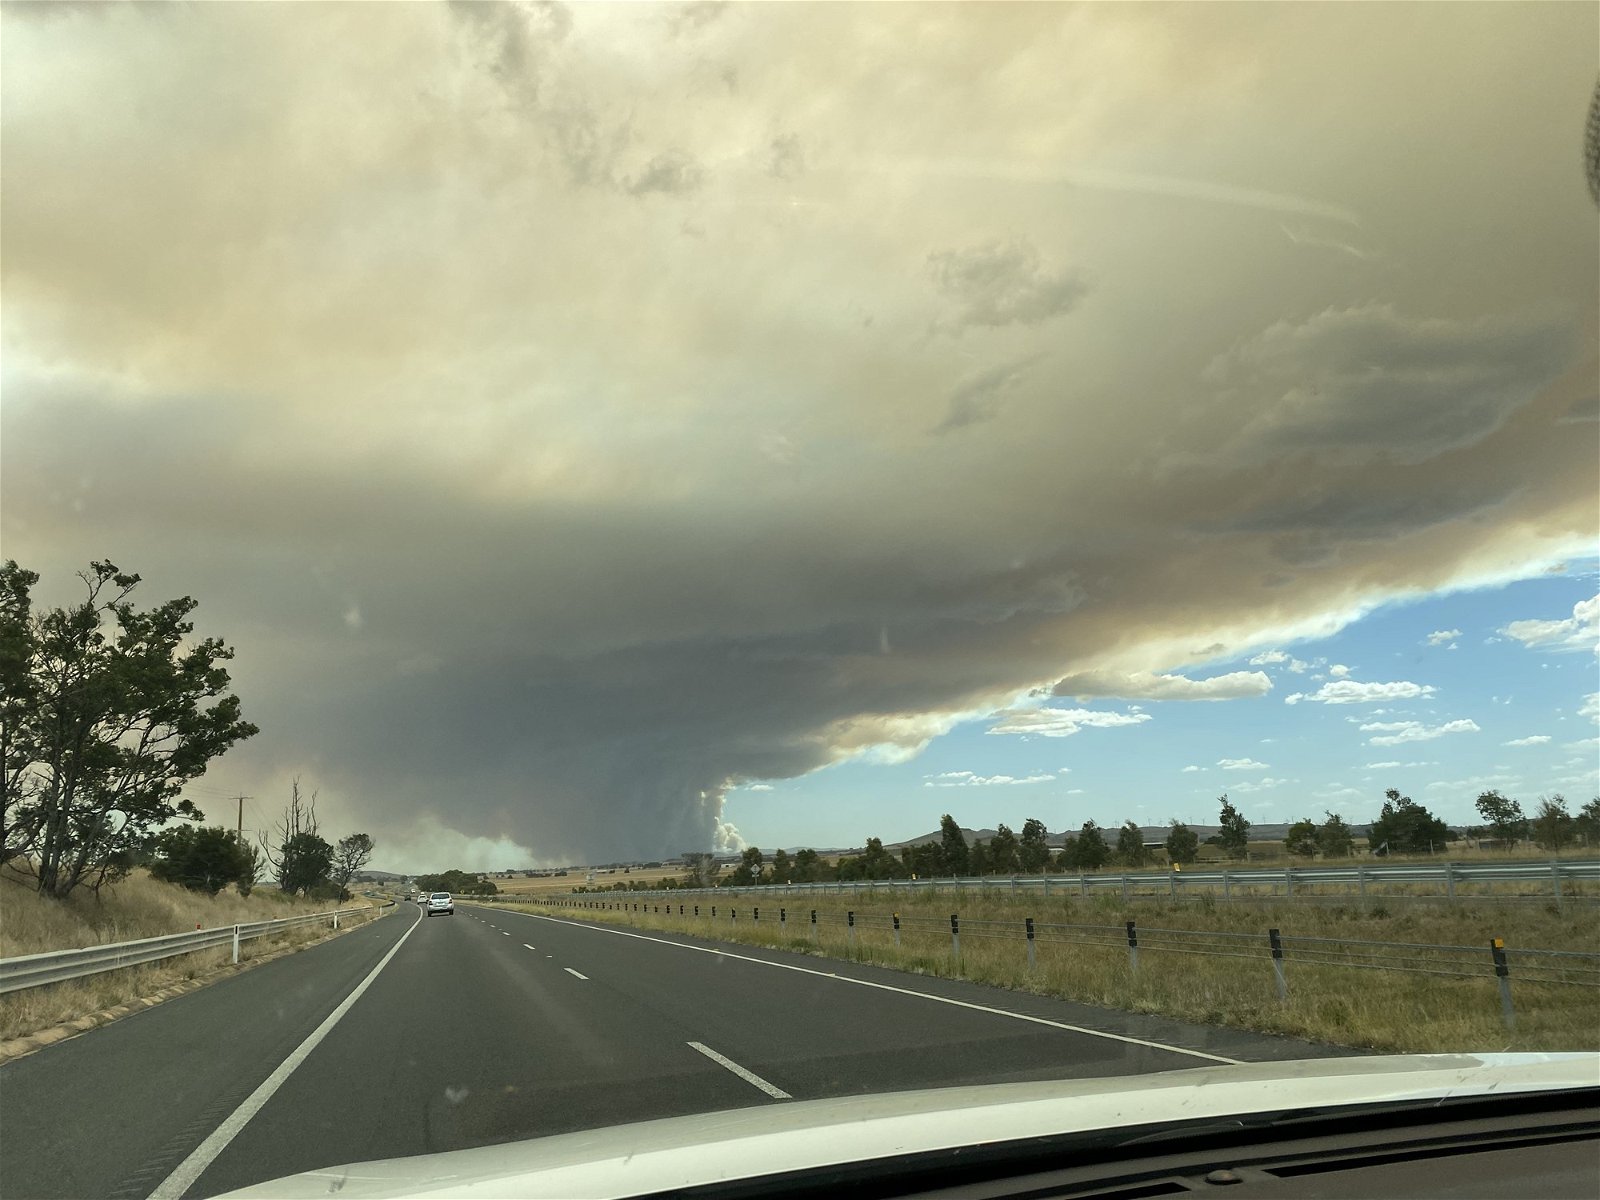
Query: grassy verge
<point x="138" y="907"/>
<point x="1082" y="955"/>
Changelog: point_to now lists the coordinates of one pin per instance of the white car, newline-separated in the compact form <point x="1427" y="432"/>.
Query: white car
<point x="440" y="902"/>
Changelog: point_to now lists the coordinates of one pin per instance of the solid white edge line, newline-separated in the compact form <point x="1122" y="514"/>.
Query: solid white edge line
<point x="570" y="971"/>
<point x="886" y="987"/>
<point x="190" y="1169"/>
<point x="750" y="1077"/>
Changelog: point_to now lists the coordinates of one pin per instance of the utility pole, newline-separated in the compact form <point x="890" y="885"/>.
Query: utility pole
<point x="239" y="829"/>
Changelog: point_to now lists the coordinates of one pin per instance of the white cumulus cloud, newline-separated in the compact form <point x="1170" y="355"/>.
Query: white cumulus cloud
<point x="1396" y="733"/>
<point x="1440" y="636"/>
<point x="1241" y="764"/>
<point x="1351" y="691"/>
<point x="1537" y="739"/>
<point x="1580" y="631"/>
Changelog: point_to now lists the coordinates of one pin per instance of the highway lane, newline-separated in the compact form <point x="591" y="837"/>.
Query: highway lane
<point x="491" y="1026"/>
<point x="112" y="1111"/>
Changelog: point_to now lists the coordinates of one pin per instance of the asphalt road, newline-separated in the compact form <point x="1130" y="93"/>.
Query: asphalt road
<point x="444" y="1033"/>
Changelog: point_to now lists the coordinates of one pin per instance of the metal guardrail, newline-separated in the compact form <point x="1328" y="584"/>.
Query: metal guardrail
<point x="58" y="966"/>
<point x="1549" y="877"/>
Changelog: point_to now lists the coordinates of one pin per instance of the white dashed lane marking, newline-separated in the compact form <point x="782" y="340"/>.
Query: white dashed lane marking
<point x="570" y="971"/>
<point x="750" y="1077"/>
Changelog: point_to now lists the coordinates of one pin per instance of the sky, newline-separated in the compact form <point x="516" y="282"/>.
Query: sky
<point x="604" y="432"/>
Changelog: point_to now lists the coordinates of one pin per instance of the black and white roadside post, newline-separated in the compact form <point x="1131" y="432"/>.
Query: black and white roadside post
<point x="955" y="937"/>
<point x="783" y="918"/>
<point x="813" y="925"/>
<point x="1133" y="946"/>
<point x="897" y="930"/>
<point x="850" y="921"/>
<point x="1502" y="971"/>
<point x="1276" y="942"/>
<point x="1028" y="922"/>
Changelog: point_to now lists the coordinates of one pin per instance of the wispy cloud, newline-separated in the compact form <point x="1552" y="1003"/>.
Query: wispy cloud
<point x="1396" y="733"/>
<point x="1241" y="764"/>
<point x="1351" y="691"/>
<point x="1536" y="739"/>
<point x="1439" y="637"/>
<point x="1145" y="685"/>
<point x="1062" y="722"/>
<point x="946" y="779"/>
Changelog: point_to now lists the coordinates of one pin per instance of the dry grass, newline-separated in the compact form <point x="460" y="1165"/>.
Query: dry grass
<point x="138" y="907"/>
<point x="1376" y="1009"/>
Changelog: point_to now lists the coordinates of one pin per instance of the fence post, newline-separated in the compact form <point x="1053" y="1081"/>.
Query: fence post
<point x="1497" y="947"/>
<point x="1028" y="922"/>
<point x="850" y="920"/>
<point x="897" y="930"/>
<point x="955" y="937"/>
<point x="1277" y="965"/>
<point x="235" y="943"/>
<point x="1133" y="947"/>
<point x="813" y="925"/>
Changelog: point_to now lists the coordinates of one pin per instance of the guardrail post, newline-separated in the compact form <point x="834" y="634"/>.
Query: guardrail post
<point x="1497" y="947"/>
<point x="1172" y="884"/>
<point x="1124" y="889"/>
<point x="1083" y="885"/>
<point x="1227" y="885"/>
<point x="1047" y="887"/>
<point x="850" y="920"/>
<point x="1555" y="882"/>
<point x="336" y="921"/>
<point x="1276" y="943"/>
<point x="1028" y="924"/>
<point x="1133" y="946"/>
<point x="813" y="925"/>
<point x="236" y="944"/>
<point x="897" y="930"/>
<point x="955" y="937"/>
<point x="1450" y="881"/>
<point x="1288" y="881"/>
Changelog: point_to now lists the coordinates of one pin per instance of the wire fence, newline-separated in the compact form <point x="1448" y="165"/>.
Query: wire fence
<point x="1282" y="953"/>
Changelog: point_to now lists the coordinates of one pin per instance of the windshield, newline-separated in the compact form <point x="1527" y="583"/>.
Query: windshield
<point x="874" y="547"/>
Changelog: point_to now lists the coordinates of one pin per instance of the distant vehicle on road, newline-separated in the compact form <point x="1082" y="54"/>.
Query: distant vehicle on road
<point x="440" y="902"/>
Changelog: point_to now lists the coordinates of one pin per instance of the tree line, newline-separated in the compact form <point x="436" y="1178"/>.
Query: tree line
<point x="106" y="712"/>
<point x="1403" y="826"/>
<point x="457" y="883"/>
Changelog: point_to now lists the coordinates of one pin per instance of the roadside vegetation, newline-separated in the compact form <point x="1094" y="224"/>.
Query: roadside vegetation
<point x="1227" y="979"/>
